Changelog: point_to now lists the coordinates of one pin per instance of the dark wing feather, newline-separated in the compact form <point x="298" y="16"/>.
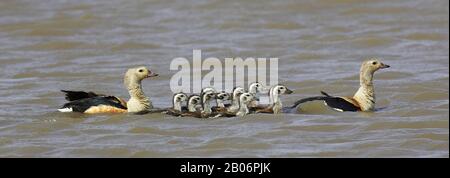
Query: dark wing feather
<point x="77" y="95"/>
<point x="304" y="100"/>
<point x="341" y="104"/>
<point x="333" y="102"/>
<point x="86" y="103"/>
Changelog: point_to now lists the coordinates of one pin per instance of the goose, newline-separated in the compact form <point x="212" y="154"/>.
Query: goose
<point x="277" y="106"/>
<point x="362" y="100"/>
<point x="204" y="99"/>
<point x="91" y="103"/>
<point x="177" y="100"/>
<point x="244" y="100"/>
<point x="255" y="88"/>
<point x="234" y="107"/>
<point x="193" y="102"/>
<point x="221" y="98"/>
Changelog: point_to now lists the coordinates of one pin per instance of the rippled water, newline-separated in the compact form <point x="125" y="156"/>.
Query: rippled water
<point x="87" y="45"/>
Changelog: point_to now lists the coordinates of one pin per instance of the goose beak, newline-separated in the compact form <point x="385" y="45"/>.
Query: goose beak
<point x="152" y="75"/>
<point x="289" y="91"/>
<point x="383" y="66"/>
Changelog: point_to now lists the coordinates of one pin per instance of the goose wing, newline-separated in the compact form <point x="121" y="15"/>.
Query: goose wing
<point x="77" y="95"/>
<point x="98" y="104"/>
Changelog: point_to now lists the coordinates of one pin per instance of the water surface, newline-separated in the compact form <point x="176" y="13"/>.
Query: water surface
<point x="46" y="46"/>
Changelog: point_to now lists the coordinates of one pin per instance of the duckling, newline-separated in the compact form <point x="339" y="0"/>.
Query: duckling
<point x="177" y="109"/>
<point x="244" y="100"/>
<point x="255" y="88"/>
<point x="234" y="107"/>
<point x="220" y="100"/>
<point x="277" y="106"/>
<point x="91" y="103"/>
<point x="206" y="111"/>
<point x="207" y="97"/>
<point x="362" y="100"/>
<point x="193" y="102"/>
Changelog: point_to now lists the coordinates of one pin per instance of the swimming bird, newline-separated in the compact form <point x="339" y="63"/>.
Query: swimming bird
<point x="362" y="100"/>
<point x="244" y="101"/>
<point x="255" y="89"/>
<point x="177" y="100"/>
<point x="193" y="102"/>
<point x="91" y="103"/>
<point x="277" y="106"/>
<point x="234" y="107"/>
<point x="221" y="98"/>
<point x="204" y="99"/>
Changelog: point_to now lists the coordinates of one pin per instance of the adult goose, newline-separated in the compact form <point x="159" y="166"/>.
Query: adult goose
<point x="92" y="103"/>
<point x="362" y="100"/>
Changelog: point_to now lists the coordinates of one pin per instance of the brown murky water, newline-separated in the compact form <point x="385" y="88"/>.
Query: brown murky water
<point x="87" y="45"/>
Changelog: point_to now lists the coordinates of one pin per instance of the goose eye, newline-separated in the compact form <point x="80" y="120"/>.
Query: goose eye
<point x="374" y="63"/>
<point x="141" y="70"/>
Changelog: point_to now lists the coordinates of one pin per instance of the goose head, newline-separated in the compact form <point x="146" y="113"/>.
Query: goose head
<point x="207" y="96"/>
<point x="281" y="90"/>
<point x="368" y="68"/>
<point x="237" y="91"/>
<point x="178" y="98"/>
<point x="373" y="65"/>
<point x="193" y="101"/>
<point x="136" y="75"/>
<point x="223" y="96"/>
<point x="256" y="87"/>
<point x="246" y="98"/>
